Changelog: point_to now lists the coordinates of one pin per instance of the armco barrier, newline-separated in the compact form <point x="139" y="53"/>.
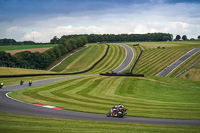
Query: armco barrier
<point x="26" y="75"/>
<point x="136" y="60"/>
<point x="124" y="74"/>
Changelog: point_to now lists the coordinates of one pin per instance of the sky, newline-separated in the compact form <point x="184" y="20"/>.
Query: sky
<point x="41" y="20"/>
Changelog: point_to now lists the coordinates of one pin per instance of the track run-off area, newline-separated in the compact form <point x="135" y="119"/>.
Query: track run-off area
<point x="89" y="93"/>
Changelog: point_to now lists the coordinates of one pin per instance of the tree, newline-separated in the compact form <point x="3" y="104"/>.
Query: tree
<point x="184" y="37"/>
<point x="178" y="37"/>
<point x="57" y="51"/>
<point x="63" y="49"/>
<point x="84" y="39"/>
<point x="6" y="59"/>
<point x="51" y="53"/>
<point x="62" y="40"/>
<point x="6" y="41"/>
<point x="28" y="42"/>
<point x="199" y="37"/>
<point x="73" y="42"/>
<point x="55" y="40"/>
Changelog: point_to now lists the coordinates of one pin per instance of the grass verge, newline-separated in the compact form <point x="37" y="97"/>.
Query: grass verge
<point x="32" y="124"/>
<point x="20" y="71"/>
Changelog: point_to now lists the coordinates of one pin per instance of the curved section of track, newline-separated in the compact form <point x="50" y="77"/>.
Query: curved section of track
<point x="127" y="60"/>
<point x="173" y="66"/>
<point x="10" y="105"/>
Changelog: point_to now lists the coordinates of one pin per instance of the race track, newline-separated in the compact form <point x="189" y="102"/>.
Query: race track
<point x="127" y="60"/>
<point x="9" y="105"/>
<point x="173" y="66"/>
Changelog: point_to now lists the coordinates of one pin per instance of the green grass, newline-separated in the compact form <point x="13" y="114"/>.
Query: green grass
<point x="185" y="65"/>
<point x="114" y="58"/>
<point x="87" y="57"/>
<point x="192" y="74"/>
<point x="19" y="71"/>
<point x="154" y="60"/>
<point x="17" y="47"/>
<point x="82" y="60"/>
<point x="171" y="44"/>
<point x="144" y="97"/>
<point x="32" y="124"/>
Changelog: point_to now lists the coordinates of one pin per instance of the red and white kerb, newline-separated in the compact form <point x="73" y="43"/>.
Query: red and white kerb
<point x="48" y="106"/>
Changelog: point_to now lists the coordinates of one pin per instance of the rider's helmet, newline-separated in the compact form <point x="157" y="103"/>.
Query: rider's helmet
<point x="121" y="105"/>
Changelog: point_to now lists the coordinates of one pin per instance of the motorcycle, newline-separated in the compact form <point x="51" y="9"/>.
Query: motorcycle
<point x="1" y="86"/>
<point x="121" y="112"/>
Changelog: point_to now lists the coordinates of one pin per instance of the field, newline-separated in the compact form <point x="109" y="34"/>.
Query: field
<point x="18" y="47"/>
<point x="41" y="50"/>
<point x="32" y="124"/>
<point x="144" y="97"/>
<point x="13" y="49"/>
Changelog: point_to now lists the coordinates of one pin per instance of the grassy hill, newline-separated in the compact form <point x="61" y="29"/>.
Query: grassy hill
<point x="82" y="60"/>
<point x="87" y="57"/>
<point x="154" y="60"/>
<point x="114" y="58"/>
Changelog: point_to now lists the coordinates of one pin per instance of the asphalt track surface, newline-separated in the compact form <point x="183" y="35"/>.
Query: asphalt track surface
<point x="174" y="65"/>
<point x="9" y="105"/>
<point x="127" y="60"/>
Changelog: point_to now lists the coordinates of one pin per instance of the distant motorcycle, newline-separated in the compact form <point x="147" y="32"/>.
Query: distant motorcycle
<point x="1" y="86"/>
<point x="121" y="112"/>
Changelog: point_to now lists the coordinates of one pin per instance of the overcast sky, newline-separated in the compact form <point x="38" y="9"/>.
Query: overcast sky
<point x="41" y="20"/>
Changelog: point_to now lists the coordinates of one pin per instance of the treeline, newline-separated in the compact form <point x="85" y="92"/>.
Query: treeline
<point x="93" y="38"/>
<point x="6" y="41"/>
<point x="38" y="60"/>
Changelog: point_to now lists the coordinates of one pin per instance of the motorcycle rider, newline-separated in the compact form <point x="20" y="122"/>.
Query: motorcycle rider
<point x="21" y="82"/>
<point x="1" y="85"/>
<point x="30" y="83"/>
<point x="120" y="106"/>
<point x="116" y="108"/>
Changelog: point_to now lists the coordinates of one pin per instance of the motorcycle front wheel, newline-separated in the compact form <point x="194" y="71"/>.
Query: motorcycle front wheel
<point x="108" y="114"/>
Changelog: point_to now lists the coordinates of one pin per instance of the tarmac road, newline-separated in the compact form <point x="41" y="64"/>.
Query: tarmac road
<point x="9" y="105"/>
<point x="173" y="66"/>
<point x="127" y="60"/>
